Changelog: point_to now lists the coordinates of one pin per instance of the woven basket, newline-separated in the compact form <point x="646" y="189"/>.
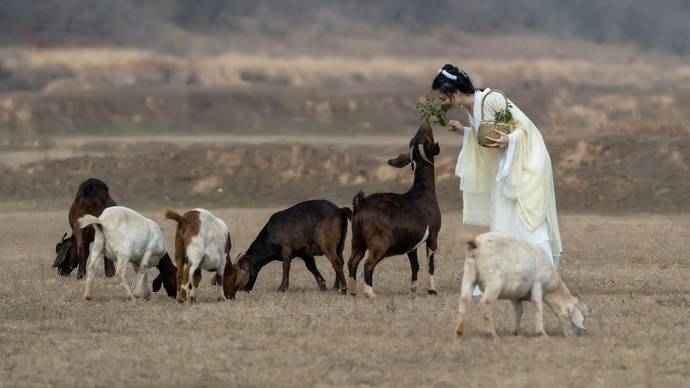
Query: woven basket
<point x="487" y="128"/>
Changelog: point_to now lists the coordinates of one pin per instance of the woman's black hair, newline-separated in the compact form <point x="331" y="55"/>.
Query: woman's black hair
<point x="448" y="85"/>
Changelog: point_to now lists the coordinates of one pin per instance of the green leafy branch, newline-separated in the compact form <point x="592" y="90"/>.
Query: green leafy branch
<point x="431" y="109"/>
<point x="504" y="115"/>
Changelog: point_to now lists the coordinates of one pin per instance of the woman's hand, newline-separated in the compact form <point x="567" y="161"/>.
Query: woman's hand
<point x="499" y="142"/>
<point x="456" y="127"/>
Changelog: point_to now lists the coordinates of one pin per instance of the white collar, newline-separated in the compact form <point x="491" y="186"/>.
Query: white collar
<point x="477" y="110"/>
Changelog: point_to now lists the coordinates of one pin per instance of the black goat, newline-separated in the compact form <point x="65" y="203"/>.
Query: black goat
<point x="305" y="230"/>
<point x="389" y="224"/>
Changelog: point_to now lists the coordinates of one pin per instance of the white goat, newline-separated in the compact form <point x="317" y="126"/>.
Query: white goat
<point x="202" y="241"/>
<point x="123" y="235"/>
<point x="508" y="268"/>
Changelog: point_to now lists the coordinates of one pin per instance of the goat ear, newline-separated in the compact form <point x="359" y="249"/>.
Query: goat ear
<point x="577" y="319"/>
<point x="401" y="161"/>
<point x="239" y="277"/>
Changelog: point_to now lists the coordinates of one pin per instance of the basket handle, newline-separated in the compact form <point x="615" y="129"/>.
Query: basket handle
<point x="486" y="95"/>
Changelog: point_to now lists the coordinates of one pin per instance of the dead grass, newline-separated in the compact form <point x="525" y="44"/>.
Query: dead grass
<point x="107" y="67"/>
<point x="632" y="271"/>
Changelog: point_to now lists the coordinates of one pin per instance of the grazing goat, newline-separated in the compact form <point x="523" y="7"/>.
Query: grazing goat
<point x="389" y="224"/>
<point x="65" y="255"/>
<point x="202" y="241"/>
<point x="167" y="276"/>
<point x="92" y="197"/>
<point x="508" y="268"/>
<point x="305" y="230"/>
<point x="124" y="236"/>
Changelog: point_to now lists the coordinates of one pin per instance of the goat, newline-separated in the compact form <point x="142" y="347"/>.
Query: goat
<point x="92" y="197"/>
<point x="509" y="268"/>
<point x="202" y="241"/>
<point x="389" y="224"/>
<point x="124" y="236"/>
<point x="167" y="276"/>
<point x="305" y="230"/>
<point x="65" y="255"/>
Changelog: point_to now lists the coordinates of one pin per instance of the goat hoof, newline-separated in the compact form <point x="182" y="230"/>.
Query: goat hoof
<point x="433" y="292"/>
<point x="458" y="332"/>
<point x="490" y="335"/>
<point x="514" y="332"/>
<point x="369" y="292"/>
<point x="281" y="289"/>
<point x="87" y="298"/>
<point x="542" y="334"/>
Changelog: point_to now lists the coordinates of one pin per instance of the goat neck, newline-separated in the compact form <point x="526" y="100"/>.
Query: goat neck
<point x="424" y="174"/>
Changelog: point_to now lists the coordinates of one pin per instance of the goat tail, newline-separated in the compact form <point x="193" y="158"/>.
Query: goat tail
<point x="471" y="241"/>
<point x="357" y="201"/>
<point x="87" y="220"/>
<point x="347" y="212"/>
<point x="171" y="215"/>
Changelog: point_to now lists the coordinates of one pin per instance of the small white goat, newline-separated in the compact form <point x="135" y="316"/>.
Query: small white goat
<point x="124" y="236"/>
<point x="508" y="268"/>
<point x="202" y="241"/>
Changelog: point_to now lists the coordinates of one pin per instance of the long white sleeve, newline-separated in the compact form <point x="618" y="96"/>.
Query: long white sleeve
<point x="458" y="165"/>
<point x="507" y="160"/>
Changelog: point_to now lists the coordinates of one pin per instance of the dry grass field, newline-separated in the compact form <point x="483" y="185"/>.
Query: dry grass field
<point x="633" y="272"/>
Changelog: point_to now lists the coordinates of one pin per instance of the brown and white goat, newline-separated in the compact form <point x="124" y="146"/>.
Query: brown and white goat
<point x="202" y="241"/>
<point x="509" y="268"/>
<point x="389" y="224"/>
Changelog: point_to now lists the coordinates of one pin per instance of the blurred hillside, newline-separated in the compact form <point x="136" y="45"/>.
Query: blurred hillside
<point x="662" y="25"/>
<point x="78" y="66"/>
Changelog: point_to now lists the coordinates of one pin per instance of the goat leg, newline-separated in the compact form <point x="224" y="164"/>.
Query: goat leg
<point x="352" y="264"/>
<point x="536" y="292"/>
<point x="81" y="251"/>
<point x="430" y="254"/>
<point x="414" y="267"/>
<point x="310" y="262"/>
<point x="286" y="275"/>
<point x="517" y="309"/>
<point x="109" y="267"/>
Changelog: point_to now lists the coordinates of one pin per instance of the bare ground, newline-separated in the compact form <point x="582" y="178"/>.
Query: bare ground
<point x="632" y="271"/>
<point x="607" y="173"/>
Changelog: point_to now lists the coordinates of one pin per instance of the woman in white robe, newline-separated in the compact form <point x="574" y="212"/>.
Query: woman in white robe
<point x="508" y="186"/>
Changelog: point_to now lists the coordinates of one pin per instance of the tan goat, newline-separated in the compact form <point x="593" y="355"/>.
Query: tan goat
<point x="508" y="268"/>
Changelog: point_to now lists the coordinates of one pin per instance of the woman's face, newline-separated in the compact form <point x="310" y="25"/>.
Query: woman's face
<point x="459" y="99"/>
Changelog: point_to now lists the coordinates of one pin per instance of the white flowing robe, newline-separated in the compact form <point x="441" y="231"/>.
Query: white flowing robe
<point x="511" y="190"/>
